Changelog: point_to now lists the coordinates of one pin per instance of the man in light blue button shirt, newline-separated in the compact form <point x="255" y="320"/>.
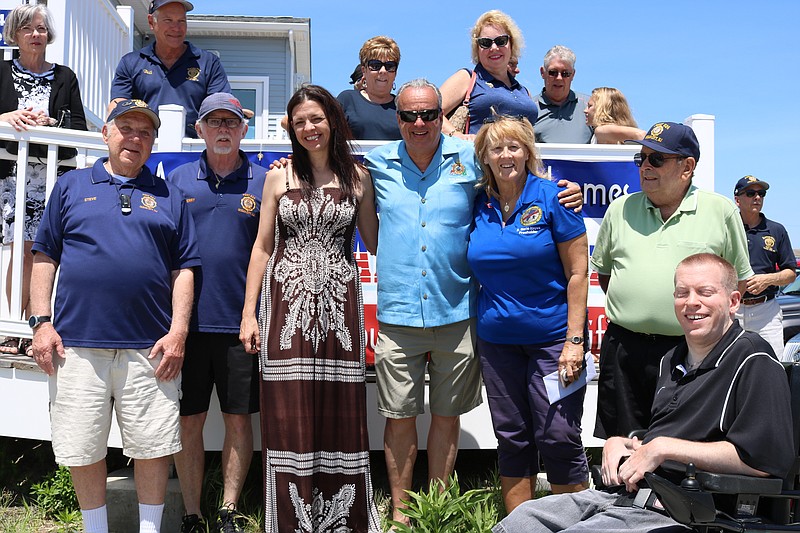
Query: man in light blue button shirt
<point x="425" y="190"/>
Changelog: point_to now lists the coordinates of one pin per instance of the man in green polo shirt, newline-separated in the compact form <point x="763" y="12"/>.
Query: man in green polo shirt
<point x="641" y="240"/>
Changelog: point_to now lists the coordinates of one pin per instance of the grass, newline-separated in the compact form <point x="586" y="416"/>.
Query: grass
<point x="24" y="464"/>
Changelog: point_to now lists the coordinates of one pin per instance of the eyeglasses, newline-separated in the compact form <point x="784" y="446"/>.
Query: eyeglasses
<point x="229" y="122"/>
<point x="486" y="42"/>
<point x="375" y="65"/>
<point x="553" y="73"/>
<point x="426" y="115"/>
<point x="751" y="193"/>
<point x="656" y="159"/>
<point x="27" y="30"/>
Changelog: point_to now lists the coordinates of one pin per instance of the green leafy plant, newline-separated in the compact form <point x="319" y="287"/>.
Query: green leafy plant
<point x="443" y="509"/>
<point x="55" y="496"/>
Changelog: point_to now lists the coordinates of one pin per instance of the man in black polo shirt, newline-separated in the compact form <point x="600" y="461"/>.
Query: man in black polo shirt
<point x="773" y="262"/>
<point x="711" y="408"/>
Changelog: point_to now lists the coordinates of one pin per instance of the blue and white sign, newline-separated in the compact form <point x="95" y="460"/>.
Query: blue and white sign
<point x="3" y="15"/>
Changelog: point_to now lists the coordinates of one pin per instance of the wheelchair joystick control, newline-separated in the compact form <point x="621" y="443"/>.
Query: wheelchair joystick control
<point x="690" y="481"/>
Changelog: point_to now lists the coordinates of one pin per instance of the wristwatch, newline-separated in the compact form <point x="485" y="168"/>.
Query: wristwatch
<point x="36" y="320"/>
<point x="574" y="339"/>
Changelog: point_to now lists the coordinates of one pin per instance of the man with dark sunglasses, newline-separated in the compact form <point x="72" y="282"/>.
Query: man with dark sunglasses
<point x="560" y="108"/>
<point x="641" y="240"/>
<point x="772" y="259"/>
<point x="425" y="191"/>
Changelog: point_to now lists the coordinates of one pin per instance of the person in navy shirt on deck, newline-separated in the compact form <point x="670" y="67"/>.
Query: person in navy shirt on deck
<point x="529" y="255"/>
<point x="124" y="245"/>
<point x="171" y="70"/>
<point x="223" y="190"/>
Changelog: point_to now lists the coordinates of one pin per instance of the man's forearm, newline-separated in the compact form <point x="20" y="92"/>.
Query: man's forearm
<point x="182" y="299"/>
<point x="43" y="276"/>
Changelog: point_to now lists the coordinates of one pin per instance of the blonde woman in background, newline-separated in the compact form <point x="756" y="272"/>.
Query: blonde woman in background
<point x="609" y="115"/>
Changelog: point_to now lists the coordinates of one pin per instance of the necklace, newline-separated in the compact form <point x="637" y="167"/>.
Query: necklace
<point x="506" y="207"/>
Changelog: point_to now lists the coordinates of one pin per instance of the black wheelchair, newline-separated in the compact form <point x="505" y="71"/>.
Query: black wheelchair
<point x="723" y="502"/>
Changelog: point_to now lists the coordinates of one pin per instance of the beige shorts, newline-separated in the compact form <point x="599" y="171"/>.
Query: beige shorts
<point x="91" y="382"/>
<point x="401" y="356"/>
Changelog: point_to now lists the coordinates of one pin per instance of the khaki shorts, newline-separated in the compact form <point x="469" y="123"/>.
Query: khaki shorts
<point x="401" y="355"/>
<point x="89" y="383"/>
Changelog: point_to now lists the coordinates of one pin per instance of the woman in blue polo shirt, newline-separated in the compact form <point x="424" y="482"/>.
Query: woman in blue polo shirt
<point x="530" y="256"/>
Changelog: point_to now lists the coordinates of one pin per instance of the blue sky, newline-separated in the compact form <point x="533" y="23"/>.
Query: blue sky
<point x="737" y="60"/>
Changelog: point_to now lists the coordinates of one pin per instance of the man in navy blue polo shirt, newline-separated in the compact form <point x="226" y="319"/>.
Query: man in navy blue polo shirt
<point x="223" y="189"/>
<point x="711" y="408"/>
<point x="171" y="70"/>
<point x="124" y="244"/>
<point x="772" y="259"/>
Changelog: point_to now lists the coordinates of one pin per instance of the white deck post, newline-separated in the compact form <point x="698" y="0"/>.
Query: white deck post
<point x="703" y="126"/>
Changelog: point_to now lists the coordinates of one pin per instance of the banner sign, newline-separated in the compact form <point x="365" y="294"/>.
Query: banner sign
<point x="602" y="182"/>
<point x="3" y="15"/>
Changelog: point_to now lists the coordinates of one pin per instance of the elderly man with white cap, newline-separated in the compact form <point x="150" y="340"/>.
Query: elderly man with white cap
<point x="124" y="245"/>
<point x="223" y="189"/>
<point x="171" y="70"/>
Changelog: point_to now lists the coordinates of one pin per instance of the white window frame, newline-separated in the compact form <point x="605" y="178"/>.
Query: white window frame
<point x="261" y="86"/>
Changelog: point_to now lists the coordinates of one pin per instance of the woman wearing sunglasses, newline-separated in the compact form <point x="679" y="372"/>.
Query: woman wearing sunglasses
<point x="309" y="330"/>
<point x="496" y="42"/>
<point x="371" y="111"/>
<point x="610" y="117"/>
<point x="529" y="255"/>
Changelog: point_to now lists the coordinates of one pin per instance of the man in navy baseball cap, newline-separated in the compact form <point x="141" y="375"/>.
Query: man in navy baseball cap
<point x="642" y="238"/>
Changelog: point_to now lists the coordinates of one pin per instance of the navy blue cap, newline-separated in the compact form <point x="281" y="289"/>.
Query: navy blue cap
<point x="747" y="181"/>
<point x="134" y="106"/>
<point x="155" y="4"/>
<point x="225" y="101"/>
<point x="671" y="138"/>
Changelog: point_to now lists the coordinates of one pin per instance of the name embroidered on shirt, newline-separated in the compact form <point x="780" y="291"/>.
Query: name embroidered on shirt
<point x="147" y="71"/>
<point x="90" y="199"/>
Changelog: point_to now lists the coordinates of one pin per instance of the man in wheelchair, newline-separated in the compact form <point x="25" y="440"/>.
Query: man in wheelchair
<point x="722" y="403"/>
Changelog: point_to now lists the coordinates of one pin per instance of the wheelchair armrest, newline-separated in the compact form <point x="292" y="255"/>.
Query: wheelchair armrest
<point x="739" y="484"/>
<point x="729" y="483"/>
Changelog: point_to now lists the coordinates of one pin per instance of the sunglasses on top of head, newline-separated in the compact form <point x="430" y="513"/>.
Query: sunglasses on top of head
<point x="751" y="193"/>
<point x="375" y="65"/>
<point x="657" y="159"/>
<point x="486" y="42"/>
<point x="426" y="115"/>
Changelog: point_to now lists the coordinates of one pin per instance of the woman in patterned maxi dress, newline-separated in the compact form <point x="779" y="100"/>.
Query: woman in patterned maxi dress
<point x="310" y="332"/>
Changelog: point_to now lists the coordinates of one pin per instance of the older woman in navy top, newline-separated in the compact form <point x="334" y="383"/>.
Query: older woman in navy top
<point x="370" y="111"/>
<point x="496" y="42"/>
<point x="530" y="256"/>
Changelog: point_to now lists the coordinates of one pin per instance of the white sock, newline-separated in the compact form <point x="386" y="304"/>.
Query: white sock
<point x="150" y="518"/>
<point x="95" y="520"/>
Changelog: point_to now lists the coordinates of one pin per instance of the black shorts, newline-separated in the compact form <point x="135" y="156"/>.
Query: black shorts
<point x="218" y="359"/>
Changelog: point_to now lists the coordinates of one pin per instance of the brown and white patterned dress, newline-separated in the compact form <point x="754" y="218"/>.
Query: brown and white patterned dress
<point x="313" y="394"/>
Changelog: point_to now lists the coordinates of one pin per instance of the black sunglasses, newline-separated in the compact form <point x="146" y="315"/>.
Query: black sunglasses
<point x="751" y="193"/>
<point x="375" y="65"/>
<point x="425" y="114"/>
<point x="657" y="159"/>
<point x="486" y="42"/>
<point x="553" y="73"/>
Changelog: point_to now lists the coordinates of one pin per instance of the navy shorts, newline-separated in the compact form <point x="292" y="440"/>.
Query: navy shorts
<point x="218" y="359"/>
<point x="527" y="427"/>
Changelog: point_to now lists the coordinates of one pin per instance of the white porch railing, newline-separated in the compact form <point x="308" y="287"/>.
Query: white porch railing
<point x="92" y="36"/>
